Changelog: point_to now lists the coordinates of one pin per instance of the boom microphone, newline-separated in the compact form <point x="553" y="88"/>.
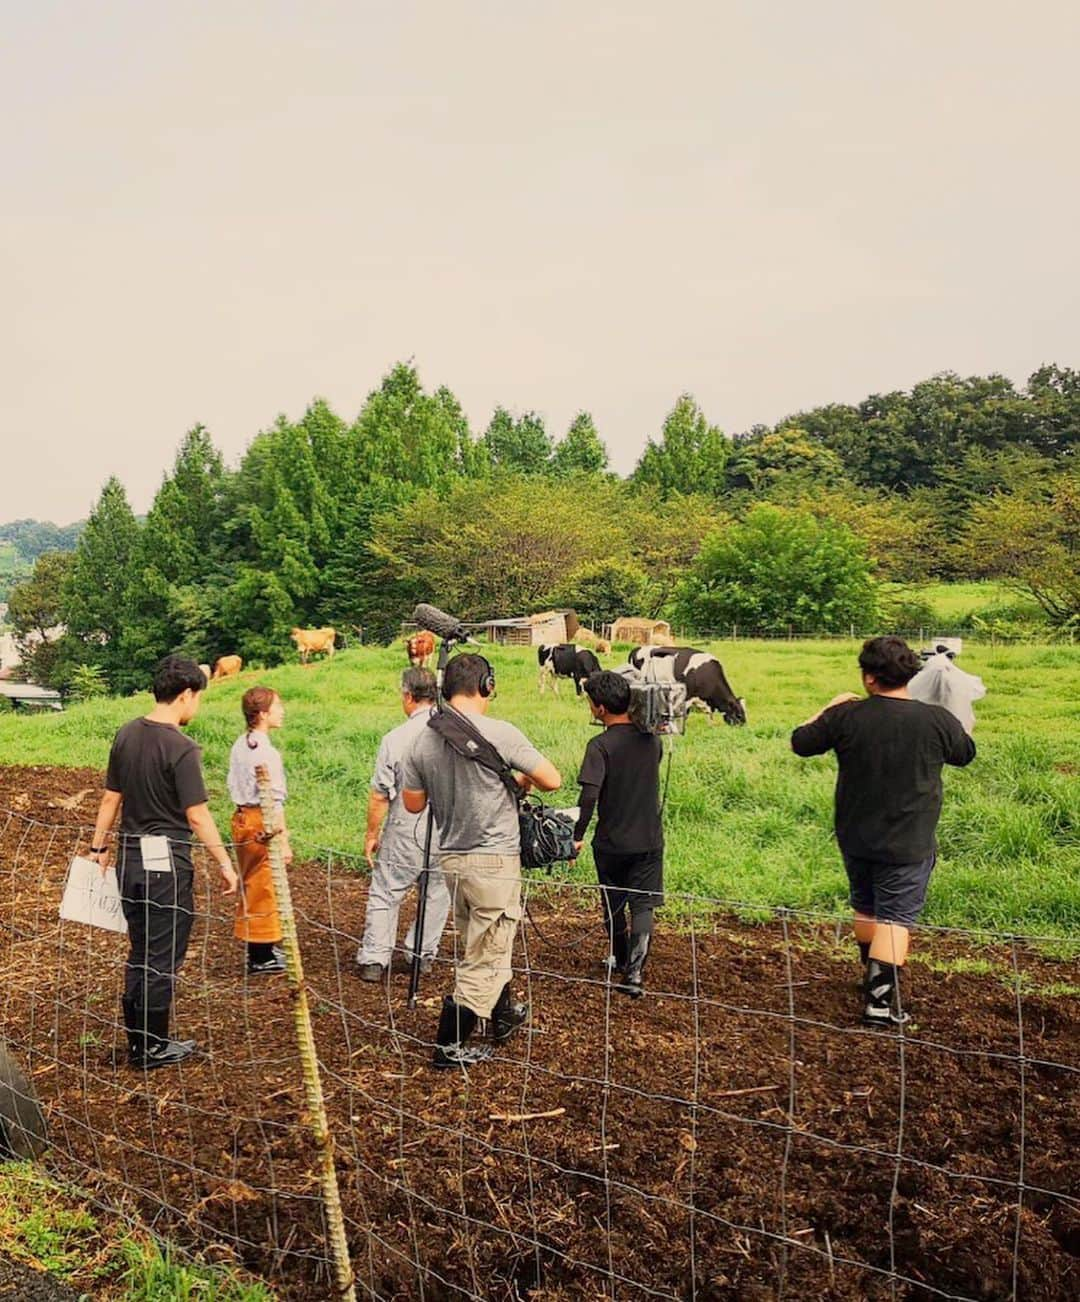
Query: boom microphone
<point x="440" y="623"/>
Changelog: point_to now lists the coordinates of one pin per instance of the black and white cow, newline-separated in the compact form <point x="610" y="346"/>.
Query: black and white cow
<point x="703" y="674"/>
<point x="565" y="661"/>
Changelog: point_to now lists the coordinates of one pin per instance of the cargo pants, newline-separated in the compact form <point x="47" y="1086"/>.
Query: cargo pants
<point x="486" y="893"/>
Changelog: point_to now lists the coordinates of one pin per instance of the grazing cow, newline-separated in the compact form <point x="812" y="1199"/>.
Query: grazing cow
<point x="420" y="648"/>
<point x="226" y="667"/>
<point x="205" y="672"/>
<point x="311" y="641"/>
<point x="565" y="660"/>
<point x="706" y="685"/>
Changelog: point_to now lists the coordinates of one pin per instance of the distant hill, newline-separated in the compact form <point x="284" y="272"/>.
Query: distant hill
<point x="23" y="541"/>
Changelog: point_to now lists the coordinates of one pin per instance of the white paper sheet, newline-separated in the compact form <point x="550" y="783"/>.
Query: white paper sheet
<point x="92" y="898"/>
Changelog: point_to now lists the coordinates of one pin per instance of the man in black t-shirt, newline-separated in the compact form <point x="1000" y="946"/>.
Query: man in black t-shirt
<point x="621" y="774"/>
<point x="890" y="751"/>
<point x="155" y="783"/>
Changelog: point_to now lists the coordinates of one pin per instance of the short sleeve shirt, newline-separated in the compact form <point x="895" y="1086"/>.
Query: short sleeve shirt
<point x="403" y="833"/>
<point x="248" y="753"/>
<point x="473" y="810"/>
<point x="158" y="772"/>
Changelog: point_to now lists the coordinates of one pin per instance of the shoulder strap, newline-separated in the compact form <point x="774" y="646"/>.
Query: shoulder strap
<point x="469" y="742"/>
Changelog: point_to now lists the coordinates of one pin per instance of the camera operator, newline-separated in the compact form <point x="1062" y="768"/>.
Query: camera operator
<point x="890" y="751"/>
<point x="480" y="855"/>
<point x="620" y="773"/>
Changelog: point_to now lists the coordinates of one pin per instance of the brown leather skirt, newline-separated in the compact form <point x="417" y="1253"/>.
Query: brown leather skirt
<point x="256" y="908"/>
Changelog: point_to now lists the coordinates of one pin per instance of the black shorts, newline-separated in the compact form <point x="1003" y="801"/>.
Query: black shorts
<point x="889" y="892"/>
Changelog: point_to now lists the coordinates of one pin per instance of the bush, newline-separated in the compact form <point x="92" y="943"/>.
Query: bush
<point x="602" y="591"/>
<point x="87" y="681"/>
<point x="779" y="569"/>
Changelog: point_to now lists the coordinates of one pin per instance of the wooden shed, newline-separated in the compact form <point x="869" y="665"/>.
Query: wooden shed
<point x="549" y="626"/>
<point x="645" y="632"/>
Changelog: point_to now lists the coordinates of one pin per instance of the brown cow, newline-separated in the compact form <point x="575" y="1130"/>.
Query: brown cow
<point x="205" y="672"/>
<point x="226" y="667"/>
<point x="420" y="648"/>
<point x="311" y="641"/>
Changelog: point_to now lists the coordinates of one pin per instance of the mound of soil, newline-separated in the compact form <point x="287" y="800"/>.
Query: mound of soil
<point x="735" y="1134"/>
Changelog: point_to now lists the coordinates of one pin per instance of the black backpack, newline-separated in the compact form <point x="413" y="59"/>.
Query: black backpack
<point x="546" y="836"/>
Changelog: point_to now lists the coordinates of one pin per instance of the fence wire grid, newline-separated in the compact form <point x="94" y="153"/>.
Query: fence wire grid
<point x="735" y="1134"/>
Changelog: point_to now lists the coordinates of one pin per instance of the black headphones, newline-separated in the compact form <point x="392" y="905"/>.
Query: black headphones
<point x="486" y="685"/>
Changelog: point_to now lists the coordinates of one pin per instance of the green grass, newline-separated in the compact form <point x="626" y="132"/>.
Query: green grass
<point x="746" y="819"/>
<point x="955" y="603"/>
<point x="53" y="1228"/>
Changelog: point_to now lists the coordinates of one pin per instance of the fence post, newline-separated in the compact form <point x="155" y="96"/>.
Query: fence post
<point x="305" y="1040"/>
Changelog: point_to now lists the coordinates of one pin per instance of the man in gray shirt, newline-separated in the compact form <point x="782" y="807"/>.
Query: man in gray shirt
<point x="394" y="844"/>
<point x="480" y="845"/>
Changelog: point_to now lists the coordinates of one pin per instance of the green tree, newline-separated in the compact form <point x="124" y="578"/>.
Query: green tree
<point x="602" y="591"/>
<point x="36" y="612"/>
<point x="581" y="452"/>
<point x="785" y="456"/>
<point x="521" y="447"/>
<point x="179" y="561"/>
<point x="97" y="594"/>
<point x="1032" y="542"/>
<point x="690" y="456"/>
<point x="777" y="569"/>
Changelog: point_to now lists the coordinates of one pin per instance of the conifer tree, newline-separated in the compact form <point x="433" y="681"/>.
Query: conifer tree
<point x="97" y="594"/>
<point x="690" y="456"/>
<point x="581" y="452"/>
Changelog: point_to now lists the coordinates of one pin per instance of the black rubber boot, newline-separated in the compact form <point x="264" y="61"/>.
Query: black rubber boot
<point x="633" y="982"/>
<point x="620" y="950"/>
<point x="132" y="1030"/>
<point x="883" y="995"/>
<point x="159" y="1050"/>
<point x="506" y="1016"/>
<point x="456" y="1024"/>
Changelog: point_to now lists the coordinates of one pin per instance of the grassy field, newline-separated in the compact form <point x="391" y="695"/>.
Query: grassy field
<point x="746" y="819"/>
<point x="957" y="602"/>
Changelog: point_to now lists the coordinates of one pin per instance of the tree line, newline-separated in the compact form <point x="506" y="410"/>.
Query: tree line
<point x="798" y="524"/>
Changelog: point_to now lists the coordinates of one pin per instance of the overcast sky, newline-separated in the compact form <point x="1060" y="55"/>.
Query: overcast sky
<point x="216" y="211"/>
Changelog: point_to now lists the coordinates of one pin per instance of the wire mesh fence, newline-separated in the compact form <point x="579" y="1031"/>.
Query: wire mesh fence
<point x="736" y="1133"/>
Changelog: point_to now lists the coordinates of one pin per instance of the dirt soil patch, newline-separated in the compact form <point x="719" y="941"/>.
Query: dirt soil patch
<point x="733" y="1134"/>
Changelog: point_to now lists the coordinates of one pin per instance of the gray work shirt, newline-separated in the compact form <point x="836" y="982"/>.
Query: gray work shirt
<point x="474" y="812"/>
<point x="403" y="833"/>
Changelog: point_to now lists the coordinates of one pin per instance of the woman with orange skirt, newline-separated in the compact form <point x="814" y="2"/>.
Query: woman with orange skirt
<point x="257" y="920"/>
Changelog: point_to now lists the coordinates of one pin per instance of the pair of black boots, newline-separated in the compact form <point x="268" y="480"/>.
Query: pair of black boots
<point x="629" y="951"/>
<point x="457" y="1023"/>
<point x="881" y="986"/>
<point x="148" y="1040"/>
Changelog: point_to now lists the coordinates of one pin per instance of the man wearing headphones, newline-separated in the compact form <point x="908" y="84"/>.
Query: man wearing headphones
<point x="480" y="855"/>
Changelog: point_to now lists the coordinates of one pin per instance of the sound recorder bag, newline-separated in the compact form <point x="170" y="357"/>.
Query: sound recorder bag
<point x="546" y="835"/>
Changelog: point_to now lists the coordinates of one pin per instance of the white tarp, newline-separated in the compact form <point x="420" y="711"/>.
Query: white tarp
<point x="92" y="897"/>
<point x="941" y="682"/>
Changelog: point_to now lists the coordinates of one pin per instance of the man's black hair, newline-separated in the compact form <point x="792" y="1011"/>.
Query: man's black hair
<point x="175" y="674"/>
<point x="419" y="683"/>
<point x="890" y="660"/>
<point x="608" y="690"/>
<point x="464" y="674"/>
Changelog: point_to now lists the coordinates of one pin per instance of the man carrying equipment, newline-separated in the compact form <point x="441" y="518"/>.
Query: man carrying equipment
<point x="890" y="751"/>
<point x="480" y="854"/>
<point x="394" y="844"/>
<point x="155" y="783"/>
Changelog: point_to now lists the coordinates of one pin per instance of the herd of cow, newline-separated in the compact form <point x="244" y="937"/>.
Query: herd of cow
<point x="707" y="687"/>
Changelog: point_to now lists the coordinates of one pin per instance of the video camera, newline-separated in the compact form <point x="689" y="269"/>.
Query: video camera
<point x="658" y="708"/>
